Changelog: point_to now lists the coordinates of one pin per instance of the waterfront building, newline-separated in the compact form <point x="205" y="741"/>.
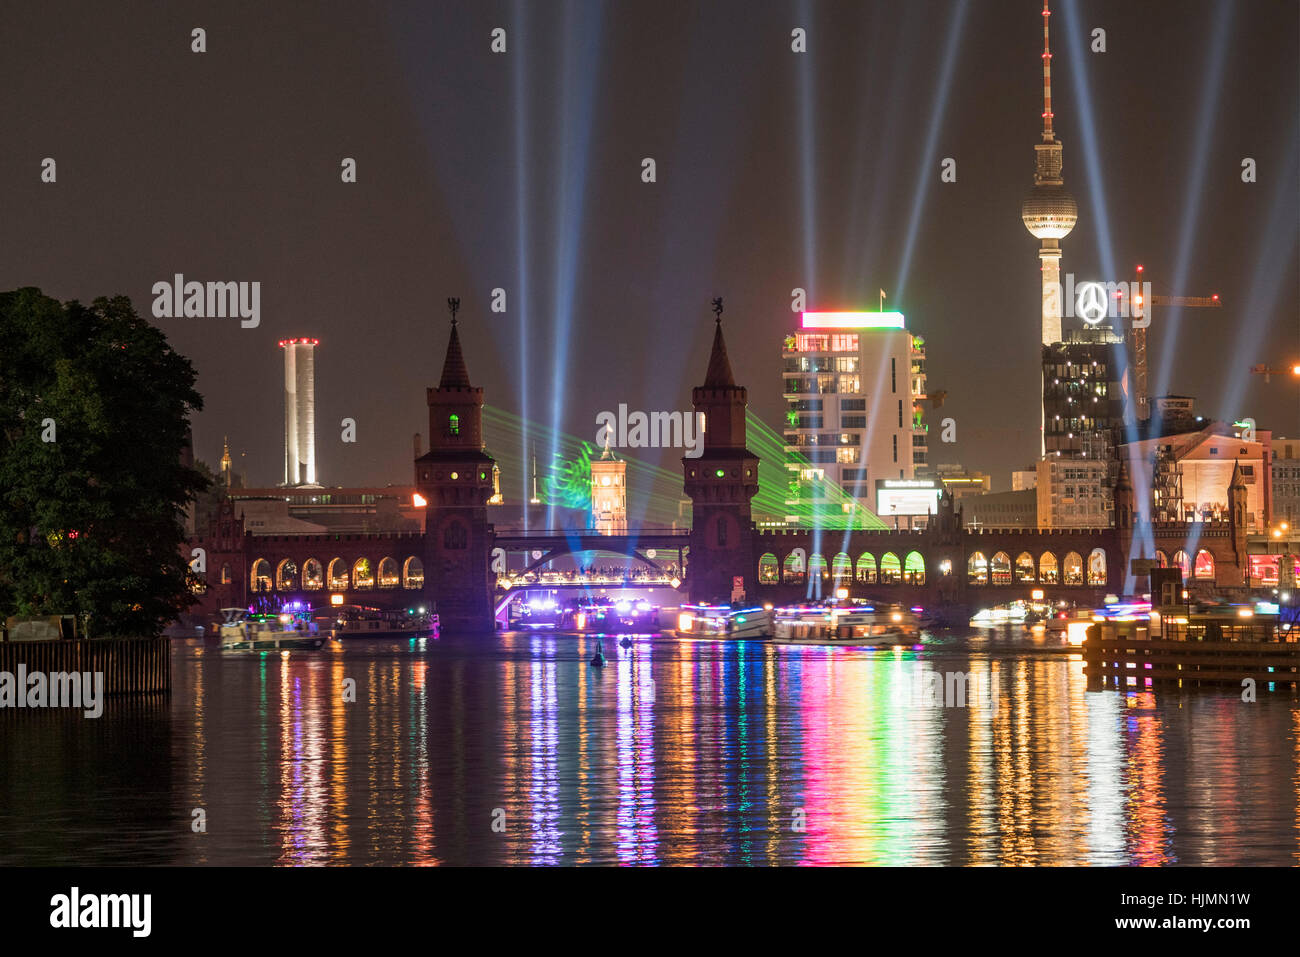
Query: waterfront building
<point x="1285" y="474"/>
<point x="962" y="482"/>
<point x="854" y="384"/>
<point x="1014" y="509"/>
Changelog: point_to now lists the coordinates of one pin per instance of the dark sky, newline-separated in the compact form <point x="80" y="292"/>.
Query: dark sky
<point x="775" y="170"/>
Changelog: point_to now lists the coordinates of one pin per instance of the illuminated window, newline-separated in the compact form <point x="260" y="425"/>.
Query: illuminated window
<point x="453" y="424"/>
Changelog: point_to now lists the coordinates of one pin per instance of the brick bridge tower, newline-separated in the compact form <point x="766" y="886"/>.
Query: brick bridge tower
<point x="455" y="478"/>
<point x="720" y="484"/>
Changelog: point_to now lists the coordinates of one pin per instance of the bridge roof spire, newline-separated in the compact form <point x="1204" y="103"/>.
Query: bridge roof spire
<point x="719" y="374"/>
<point x="455" y="374"/>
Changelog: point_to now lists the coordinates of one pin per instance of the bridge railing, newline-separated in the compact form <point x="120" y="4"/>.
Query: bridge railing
<point x="632" y="532"/>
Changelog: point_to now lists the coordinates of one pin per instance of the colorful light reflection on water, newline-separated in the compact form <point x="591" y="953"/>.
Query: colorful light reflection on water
<point x="512" y="750"/>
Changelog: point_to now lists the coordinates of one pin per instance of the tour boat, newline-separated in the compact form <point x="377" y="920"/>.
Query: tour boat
<point x="286" y="631"/>
<point x="859" y="626"/>
<point x="724" y="622"/>
<point x="355" y="621"/>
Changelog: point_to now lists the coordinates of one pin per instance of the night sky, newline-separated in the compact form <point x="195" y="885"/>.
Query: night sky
<point x="775" y="170"/>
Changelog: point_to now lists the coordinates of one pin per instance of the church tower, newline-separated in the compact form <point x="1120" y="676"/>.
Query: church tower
<point x="720" y="483"/>
<point x="455" y="479"/>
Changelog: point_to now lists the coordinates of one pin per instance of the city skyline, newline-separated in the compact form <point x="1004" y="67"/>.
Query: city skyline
<point x="607" y="272"/>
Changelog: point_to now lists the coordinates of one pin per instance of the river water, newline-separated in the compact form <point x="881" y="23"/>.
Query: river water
<point x="510" y="749"/>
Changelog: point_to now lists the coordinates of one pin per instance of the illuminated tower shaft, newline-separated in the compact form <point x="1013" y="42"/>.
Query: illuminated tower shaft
<point x="299" y="411"/>
<point x="1049" y="212"/>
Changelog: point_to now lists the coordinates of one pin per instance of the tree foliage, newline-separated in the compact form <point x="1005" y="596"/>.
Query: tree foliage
<point x="92" y="523"/>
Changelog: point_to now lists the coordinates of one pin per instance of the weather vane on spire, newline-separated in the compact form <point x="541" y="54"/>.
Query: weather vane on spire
<point x="717" y="309"/>
<point x="453" y="306"/>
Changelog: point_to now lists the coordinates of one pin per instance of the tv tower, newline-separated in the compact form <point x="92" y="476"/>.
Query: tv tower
<point x="1049" y="212"/>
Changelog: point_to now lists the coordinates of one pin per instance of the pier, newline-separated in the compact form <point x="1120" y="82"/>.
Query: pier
<point x="129" y="665"/>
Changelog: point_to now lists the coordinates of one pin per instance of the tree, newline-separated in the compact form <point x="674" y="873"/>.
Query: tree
<point x="94" y="417"/>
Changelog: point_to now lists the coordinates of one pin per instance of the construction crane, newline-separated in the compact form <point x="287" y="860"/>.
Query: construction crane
<point x="1138" y="310"/>
<point x="1269" y="371"/>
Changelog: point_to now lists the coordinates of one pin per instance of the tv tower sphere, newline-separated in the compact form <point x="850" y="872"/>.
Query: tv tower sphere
<point x="1049" y="212"/>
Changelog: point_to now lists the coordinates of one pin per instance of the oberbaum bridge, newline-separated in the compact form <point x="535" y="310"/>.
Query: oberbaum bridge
<point x="945" y="567"/>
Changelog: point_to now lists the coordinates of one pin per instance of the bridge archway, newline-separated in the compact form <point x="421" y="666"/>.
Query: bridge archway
<point x="1204" y="567"/>
<point x="769" y="569"/>
<point x="1072" y="569"/>
<point x="413" y="573"/>
<point x="977" y="569"/>
<point x="914" y="568"/>
<point x="1097" y="566"/>
<point x="313" y="575"/>
<point x="1000" y="569"/>
<point x="338" y="575"/>
<point x="286" y="575"/>
<point x="1025" y="570"/>
<point x="259" y="578"/>
<point x="866" y="569"/>
<point x="363" y="575"/>
<point x="891" y="569"/>
<point x="1048" y="569"/>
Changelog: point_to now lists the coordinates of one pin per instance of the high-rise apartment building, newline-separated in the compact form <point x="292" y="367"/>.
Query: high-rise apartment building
<point x="853" y="384"/>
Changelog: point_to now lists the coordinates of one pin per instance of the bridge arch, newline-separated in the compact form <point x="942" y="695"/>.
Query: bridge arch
<point x="866" y="569"/>
<point x="891" y="569"/>
<point x="338" y="575"/>
<point x="1026" y="570"/>
<point x="1049" y="569"/>
<point x="1204" y="567"/>
<point x="792" y="569"/>
<point x="259" y="578"/>
<point x="977" y="569"/>
<point x="1072" y="569"/>
<point x="842" y="568"/>
<point x="769" y="569"/>
<point x="413" y="573"/>
<point x="1183" y="563"/>
<point x="914" y="568"/>
<point x="363" y="574"/>
<point x="1000" y="569"/>
<point x="286" y="575"/>
<point x="313" y="575"/>
<point x="1097" y="566"/>
<point x="388" y="577"/>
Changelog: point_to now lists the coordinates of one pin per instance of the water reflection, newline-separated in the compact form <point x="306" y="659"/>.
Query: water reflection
<point x="512" y="750"/>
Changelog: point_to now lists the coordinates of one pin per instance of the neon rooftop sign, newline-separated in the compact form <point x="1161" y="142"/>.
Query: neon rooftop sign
<point x="853" y="320"/>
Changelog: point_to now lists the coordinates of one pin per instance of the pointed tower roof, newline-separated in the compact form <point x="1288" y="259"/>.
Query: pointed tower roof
<point x="455" y="375"/>
<point x="719" y="374"/>
<point x="1122" y="482"/>
<point x="1237" y="480"/>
